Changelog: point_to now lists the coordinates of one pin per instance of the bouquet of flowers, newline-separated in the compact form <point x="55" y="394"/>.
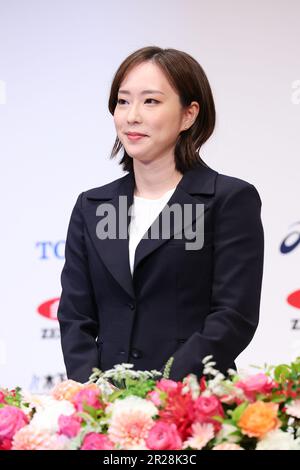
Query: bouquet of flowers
<point x="126" y="409"/>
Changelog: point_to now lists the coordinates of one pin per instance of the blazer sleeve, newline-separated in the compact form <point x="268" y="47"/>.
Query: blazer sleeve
<point x="238" y="256"/>
<point x="77" y="312"/>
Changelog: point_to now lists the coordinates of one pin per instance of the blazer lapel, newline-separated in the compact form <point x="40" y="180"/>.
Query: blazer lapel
<point x="114" y="252"/>
<point x="199" y="180"/>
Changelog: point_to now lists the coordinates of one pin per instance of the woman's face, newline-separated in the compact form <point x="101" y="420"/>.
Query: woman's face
<point x="158" y="114"/>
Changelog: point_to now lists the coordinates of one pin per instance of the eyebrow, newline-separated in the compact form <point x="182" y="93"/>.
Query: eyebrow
<point x="144" y="92"/>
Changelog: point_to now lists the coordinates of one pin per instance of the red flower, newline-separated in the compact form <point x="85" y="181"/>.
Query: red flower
<point x="179" y="409"/>
<point x="5" y="444"/>
<point x="203" y="384"/>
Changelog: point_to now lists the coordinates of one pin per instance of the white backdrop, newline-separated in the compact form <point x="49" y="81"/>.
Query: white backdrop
<point x="57" y="61"/>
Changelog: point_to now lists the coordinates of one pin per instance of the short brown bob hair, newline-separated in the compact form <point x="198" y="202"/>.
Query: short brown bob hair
<point x="189" y="79"/>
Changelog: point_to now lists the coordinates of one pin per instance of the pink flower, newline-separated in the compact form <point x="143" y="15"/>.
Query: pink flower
<point x="154" y="397"/>
<point x="166" y="385"/>
<point x="69" y="425"/>
<point x="2" y="397"/>
<point x="130" y="422"/>
<point x="94" y="441"/>
<point x="206" y="408"/>
<point x="293" y="409"/>
<point x="202" y="434"/>
<point x="66" y="390"/>
<point x="164" y="436"/>
<point x="32" y="438"/>
<point x="11" y="420"/>
<point x="227" y="446"/>
<point x="258" y="383"/>
<point x="87" y="396"/>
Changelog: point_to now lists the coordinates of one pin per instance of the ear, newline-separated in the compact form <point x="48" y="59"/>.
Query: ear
<point x="190" y="115"/>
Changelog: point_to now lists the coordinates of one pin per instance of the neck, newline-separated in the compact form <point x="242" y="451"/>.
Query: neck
<point x="153" y="180"/>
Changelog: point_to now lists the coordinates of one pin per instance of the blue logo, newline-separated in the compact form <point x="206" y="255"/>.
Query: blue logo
<point x="48" y="250"/>
<point x="291" y="241"/>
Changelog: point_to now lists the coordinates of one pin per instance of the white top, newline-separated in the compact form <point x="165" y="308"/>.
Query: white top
<point x="144" y="212"/>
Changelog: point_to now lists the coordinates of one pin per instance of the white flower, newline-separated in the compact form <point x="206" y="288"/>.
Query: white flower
<point x="105" y="386"/>
<point x="206" y="359"/>
<point x="291" y="421"/>
<point x="226" y="434"/>
<point x="202" y="434"/>
<point x="122" y="371"/>
<point x="132" y="403"/>
<point x="231" y="394"/>
<point x="278" y="440"/>
<point x="47" y="418"/>
<point x="210" y="371"/>
<point x="191" y="384"/>
<point x="232" y="372"/>
<point x="35" y="400"/>
<point x="217" y="384"/>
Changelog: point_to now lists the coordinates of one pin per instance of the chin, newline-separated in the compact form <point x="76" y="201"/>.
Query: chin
<point x="142" y="159"/>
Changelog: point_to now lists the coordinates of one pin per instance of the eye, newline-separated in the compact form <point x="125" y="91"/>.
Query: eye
<point x="151" y="99"/>
<point x="121" y="101"/>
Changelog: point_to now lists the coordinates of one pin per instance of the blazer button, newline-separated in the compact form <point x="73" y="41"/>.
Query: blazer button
<point x="131" y="305"/>
<point x="136" y="353"/>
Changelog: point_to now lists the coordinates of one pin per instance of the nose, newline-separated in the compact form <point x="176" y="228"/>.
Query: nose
<point x="133" y="114"/>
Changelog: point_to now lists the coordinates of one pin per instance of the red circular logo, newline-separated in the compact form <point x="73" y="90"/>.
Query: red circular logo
<point x="49" y="309"/>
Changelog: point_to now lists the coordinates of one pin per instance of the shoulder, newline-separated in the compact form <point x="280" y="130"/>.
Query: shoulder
<point x="228" y="184"/>
<point x="205" y="180"/>
<point x="228" y="187"/>
<point x="105" y="190"/>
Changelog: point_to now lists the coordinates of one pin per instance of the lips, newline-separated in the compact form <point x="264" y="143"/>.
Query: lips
<point x="136" y="134"/>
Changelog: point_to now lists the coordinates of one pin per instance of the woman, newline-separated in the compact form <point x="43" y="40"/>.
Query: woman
<point x="128" y="296"/>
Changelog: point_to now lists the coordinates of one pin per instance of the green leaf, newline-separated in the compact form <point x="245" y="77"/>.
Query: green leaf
<point x="278" y="399"/>
<point x="218" y="418"/>
<point x="281" y="372"/>
<point x="229" y="421"/>
<point x="167" y="369"/>
<point x="237" y="413"/>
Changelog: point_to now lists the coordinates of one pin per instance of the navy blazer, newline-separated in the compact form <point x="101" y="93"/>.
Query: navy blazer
<point x="182" y="303"/>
